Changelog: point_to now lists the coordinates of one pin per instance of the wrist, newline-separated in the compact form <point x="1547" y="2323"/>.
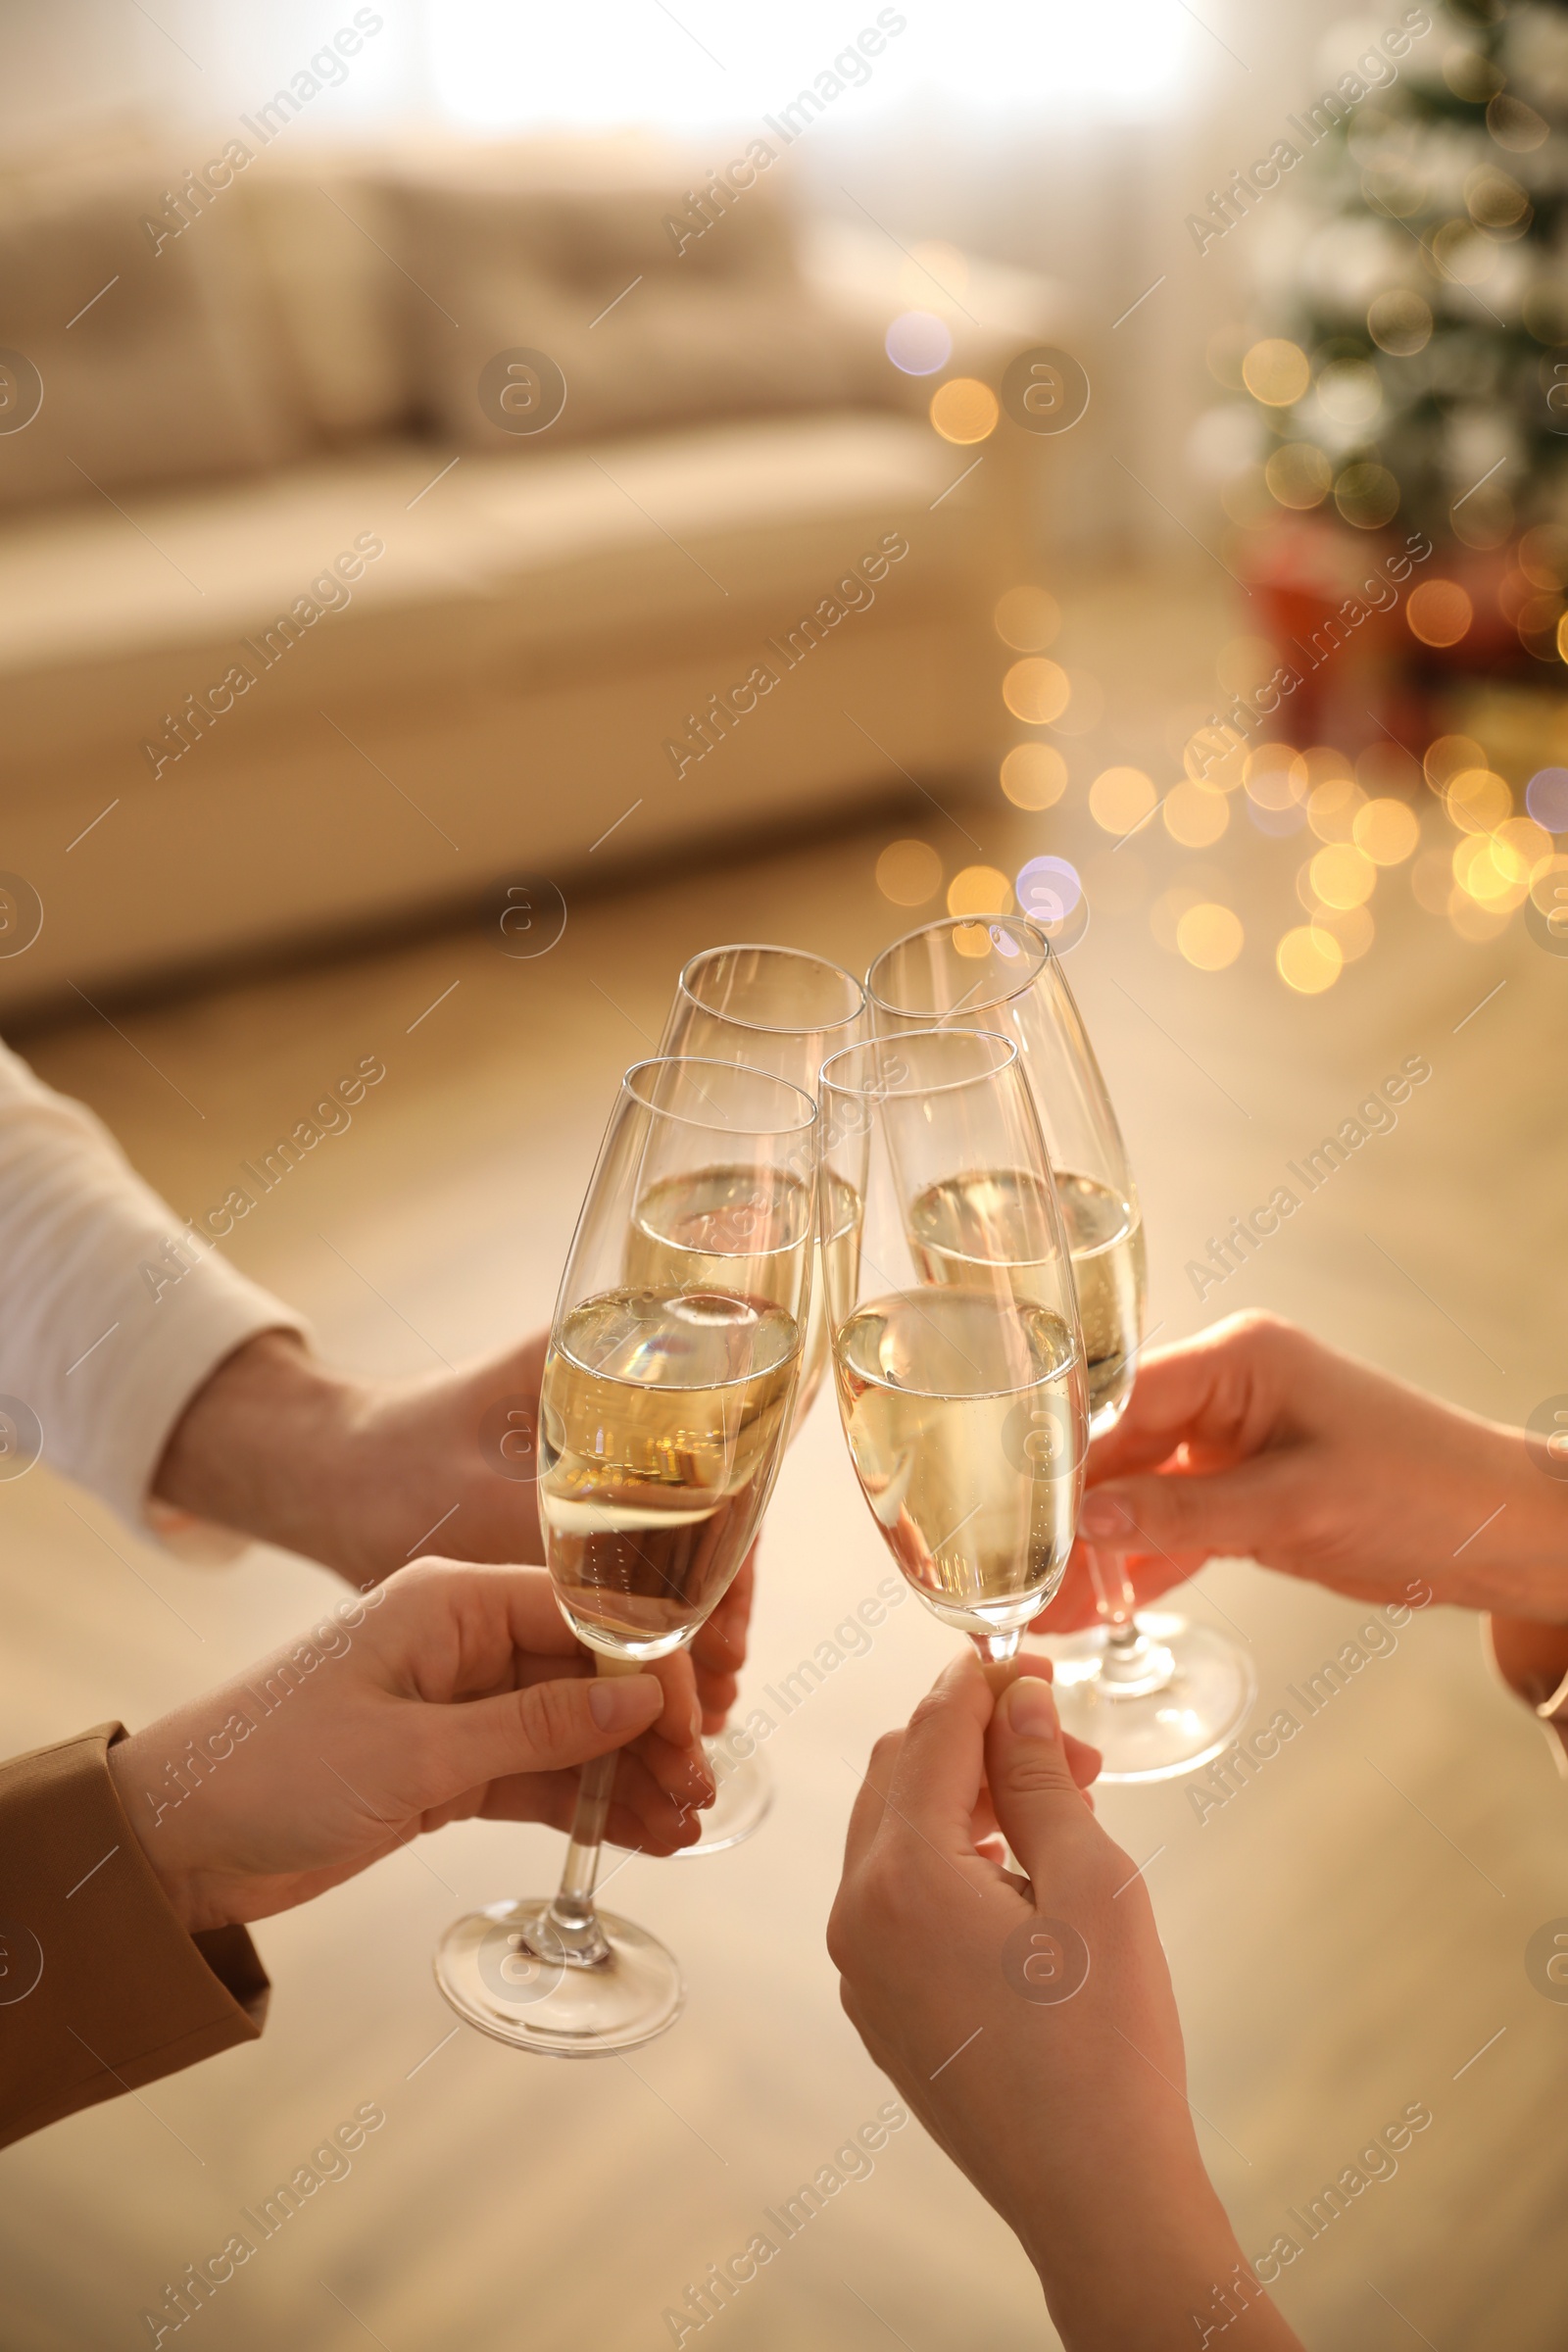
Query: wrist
<point x="1133" y="2250"/>
<point x="1518" y="1565"/>
<point x="132" y="1771"/>
<point x="1156" y="2278"/>
<point x="263" y="1447"/>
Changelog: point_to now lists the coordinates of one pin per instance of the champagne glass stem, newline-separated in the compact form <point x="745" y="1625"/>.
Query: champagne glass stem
<point x="571" y="1912"/>
<point x="1115" y="1594"/>
<point x="997" y="1648"/>
<point x="1132" y="1665"/>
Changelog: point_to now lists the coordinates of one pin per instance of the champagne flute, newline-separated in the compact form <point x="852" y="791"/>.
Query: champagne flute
<point x="778" y="1009"/>
<point x="956" y="1351"/>
<point x="669" y="1380"/>
<point x="1157" y="1695"/>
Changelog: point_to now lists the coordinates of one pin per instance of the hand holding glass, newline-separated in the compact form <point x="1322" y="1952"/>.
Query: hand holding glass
<point x="778" y="1009"/>
<point x="1157" y="1695"/>
<point x="668" y="1387"/>
<point x="956" y="1351"/>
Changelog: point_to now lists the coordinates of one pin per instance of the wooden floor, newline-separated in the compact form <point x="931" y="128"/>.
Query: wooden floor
<point x="1346" y="1936"/>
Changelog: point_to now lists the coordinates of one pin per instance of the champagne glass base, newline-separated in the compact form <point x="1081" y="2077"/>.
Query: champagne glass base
<point x="744" y="1800"/>
<point x="504" y="1970"/>
<point x="1179" y="1703"/>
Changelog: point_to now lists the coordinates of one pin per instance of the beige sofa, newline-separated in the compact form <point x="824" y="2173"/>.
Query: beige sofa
<point x="295" y="637"/>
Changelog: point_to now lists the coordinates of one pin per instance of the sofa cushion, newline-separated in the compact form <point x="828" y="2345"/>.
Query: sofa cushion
<point x="652" y="328"/>
<point x="333" y="297"/>
<point x="151" y="342"/>
<point x="504" y="571"/>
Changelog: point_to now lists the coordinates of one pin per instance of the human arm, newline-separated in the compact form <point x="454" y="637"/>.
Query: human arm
<point x="1256" y="1439"/>
<point x="1067" y="2114"/>
<point x="130" y="1862"/>
<point x="359" y="1474"/>
<point x="447" y="1693"/>
<point x="112" y="1312"/>
<point x="138" y="1362"/>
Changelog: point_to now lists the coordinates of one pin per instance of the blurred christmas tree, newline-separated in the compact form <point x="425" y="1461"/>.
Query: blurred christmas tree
<point x="1398" y="476"/>
<point x="1414" y="273"/>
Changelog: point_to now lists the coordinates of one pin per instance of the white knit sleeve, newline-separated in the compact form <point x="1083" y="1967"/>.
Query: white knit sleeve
<point x="112" y="1312"/>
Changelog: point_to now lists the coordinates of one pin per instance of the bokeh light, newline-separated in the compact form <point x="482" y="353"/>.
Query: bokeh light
<point x="1276" y="777"/>
<point x="1309" y="960"/>
<point x="1027" y="619"/>
<point x="1120" y="798"/>
<point x="1325" y="764"/>
<point x="980" y="890"/>
<point x="1446" y="758"/>
<point x="918" y="342"/>
<point x="1334" y="807"/>
<point x="1519" y="128"/>
<point x="1209" y="936"/>
<point x="1195" y="815"/>
<point x="1367" y="496"/>
<point x="1488" y="873"/>
<point x="1519" y="846"/>
<point x="1299" y="475"/>
<point x="1034" y="776"/>
<point x="1546" y="799"/>
<point x="1399" y="322"/>
<point x="1483" y="517"/>
<point x="1541" y="555"/>
<point x="1387" y="831"/>
<point x="908" y="872"/>
<point x="1343" y="875"/>
<point x="1461" y="253"/>
<point x="1276" y="372"/>
<point x="1351" y="392"/>
<point x="964" y="409"/>
<point x="1477" y="800"/>
<point x="1438" y="613"/>
<point x="1036" y="690"/>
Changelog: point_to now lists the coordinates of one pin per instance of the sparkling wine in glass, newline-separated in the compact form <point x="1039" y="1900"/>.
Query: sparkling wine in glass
<point x="668" y="1388"/>
<point x="956" y="1351"/>
<point x="780" y="1009"/>
<point x="1155" y="1693"/>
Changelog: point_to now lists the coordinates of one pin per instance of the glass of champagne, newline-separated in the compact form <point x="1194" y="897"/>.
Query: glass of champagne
<point x="778" y="1009"/>
<point x="1155" y="1693"/>
<point x="956" y="1351"/>
<point x="669" y="1384"/>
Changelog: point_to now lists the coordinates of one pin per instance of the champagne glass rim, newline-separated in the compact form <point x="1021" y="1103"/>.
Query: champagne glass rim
<point x="1001" y="1054"/>
<point x="762" y="947"/>
<point x="797" y="1110"/>
<point x="1038" y="958"/>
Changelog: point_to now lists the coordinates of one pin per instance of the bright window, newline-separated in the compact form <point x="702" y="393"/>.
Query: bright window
<point x="494" y="64"/>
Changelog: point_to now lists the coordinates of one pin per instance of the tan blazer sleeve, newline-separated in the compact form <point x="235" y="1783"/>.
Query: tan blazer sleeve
<point x="1532" y="1659"/>
<point x="101" y="1989"/>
